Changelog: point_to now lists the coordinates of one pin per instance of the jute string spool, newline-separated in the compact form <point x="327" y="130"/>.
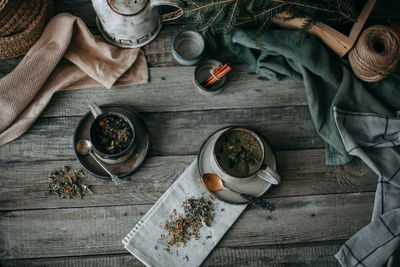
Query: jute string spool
<point x="376" y="53"/>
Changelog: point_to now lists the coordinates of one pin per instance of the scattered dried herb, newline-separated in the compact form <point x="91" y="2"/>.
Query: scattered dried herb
<point x="241" y="151"/>
<point x="67" y="184"/>
<point x="115" y="134"/>
<point x="181" y="228"/>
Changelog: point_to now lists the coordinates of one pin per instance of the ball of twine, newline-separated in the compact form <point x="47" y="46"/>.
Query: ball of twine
<point x="376" y="53"/>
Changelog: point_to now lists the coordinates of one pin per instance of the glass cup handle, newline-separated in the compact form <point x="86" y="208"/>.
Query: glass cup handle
<point x="95" y="110"/>
<point x="269" y="175"/>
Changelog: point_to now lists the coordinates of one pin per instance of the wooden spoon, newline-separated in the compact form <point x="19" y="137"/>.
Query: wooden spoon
<point x="214" y="183"/>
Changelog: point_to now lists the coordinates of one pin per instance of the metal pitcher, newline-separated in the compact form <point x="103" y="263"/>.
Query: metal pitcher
<point x="132" y="23"/>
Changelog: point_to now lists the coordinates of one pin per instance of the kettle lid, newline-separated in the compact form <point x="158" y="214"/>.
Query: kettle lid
<point x="127" y="7"/>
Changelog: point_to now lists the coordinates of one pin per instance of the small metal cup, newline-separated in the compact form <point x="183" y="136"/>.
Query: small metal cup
<point x="94" y="134"/>
<point x="202" y="72"/>
<point x="188" y="47"/>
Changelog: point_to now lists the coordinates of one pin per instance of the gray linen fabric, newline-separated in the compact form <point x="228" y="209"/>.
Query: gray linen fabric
<point x="374" y="139"/>
<point x="143" y="238"/>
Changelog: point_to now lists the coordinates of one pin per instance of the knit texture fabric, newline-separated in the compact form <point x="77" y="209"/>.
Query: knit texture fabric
<point x="67" y="56"/>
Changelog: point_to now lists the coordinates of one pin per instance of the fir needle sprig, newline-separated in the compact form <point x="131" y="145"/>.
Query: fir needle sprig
<point x="213" y="17"/>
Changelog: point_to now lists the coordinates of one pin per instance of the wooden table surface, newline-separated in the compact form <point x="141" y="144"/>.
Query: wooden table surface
<point x="318" y="206"/>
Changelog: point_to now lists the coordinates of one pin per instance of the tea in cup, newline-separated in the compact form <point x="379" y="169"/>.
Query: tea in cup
<point x="239" y="156"/>
<point x="112" y="135"/>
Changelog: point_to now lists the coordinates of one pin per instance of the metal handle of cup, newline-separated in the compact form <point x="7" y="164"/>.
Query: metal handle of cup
<point x="269" y="175"/>
<point x="172" y="15"/>
<point x="95" y="110"/>
<point x="114" y="177"/>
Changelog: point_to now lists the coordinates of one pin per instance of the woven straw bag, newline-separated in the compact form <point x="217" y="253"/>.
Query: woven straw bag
<point x="21" y="24"/>
<point x="3" y="3"/>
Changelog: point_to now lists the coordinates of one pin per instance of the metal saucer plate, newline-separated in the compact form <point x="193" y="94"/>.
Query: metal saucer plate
<point x="255" y="187"/>
<point x="122" y="169"/>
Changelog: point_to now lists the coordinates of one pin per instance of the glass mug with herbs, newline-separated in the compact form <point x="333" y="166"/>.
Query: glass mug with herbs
<point x="239" y="156"/>
<point x="112" y="135"/>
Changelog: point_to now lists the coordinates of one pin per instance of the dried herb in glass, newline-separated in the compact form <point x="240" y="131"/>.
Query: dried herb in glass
<point x="181" y="228"/>
<point x="115" y="134"/>
<point x="67" y="184"/>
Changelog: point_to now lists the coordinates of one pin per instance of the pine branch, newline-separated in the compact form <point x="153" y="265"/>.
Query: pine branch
<point x="234" y="15"/>
<point x="210" y="4"/>
<point x="259" y="14"/>
<point x="212" y="17"/>
<point x="315" y="7"/>
<point x="263" y="12"/>
<point x="258" y="33"/>
<point x="342" y="13"/>
<point x="212" y="21"/>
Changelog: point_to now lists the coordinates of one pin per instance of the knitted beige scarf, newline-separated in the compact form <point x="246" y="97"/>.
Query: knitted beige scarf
<point x="67" y="56"/>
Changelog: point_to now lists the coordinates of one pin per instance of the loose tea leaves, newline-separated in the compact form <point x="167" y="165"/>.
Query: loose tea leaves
<point x="67" y="184"/>
<point x="115" y="134"/>
<point x="181" y="228"/>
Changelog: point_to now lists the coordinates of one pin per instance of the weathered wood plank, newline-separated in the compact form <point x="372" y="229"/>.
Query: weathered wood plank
<point x="171" y="89"/>
<point x="173" y="133"/>
<point x="296" y="255"/>
<point x="32" y="191"/>
<point x="158" y="52"/>
<point x="24" y="185"/>
<point x="99" y="230"/>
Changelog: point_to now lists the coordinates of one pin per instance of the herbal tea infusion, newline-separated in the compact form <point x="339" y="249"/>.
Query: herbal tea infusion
<point x="115" y="134"/>
<point x="238" y="153"/>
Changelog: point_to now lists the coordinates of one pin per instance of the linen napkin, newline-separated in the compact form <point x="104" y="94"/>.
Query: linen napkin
<point x="66" y="56"/>
<point x="375" y="139"/>
<point x="143" y="238"/>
